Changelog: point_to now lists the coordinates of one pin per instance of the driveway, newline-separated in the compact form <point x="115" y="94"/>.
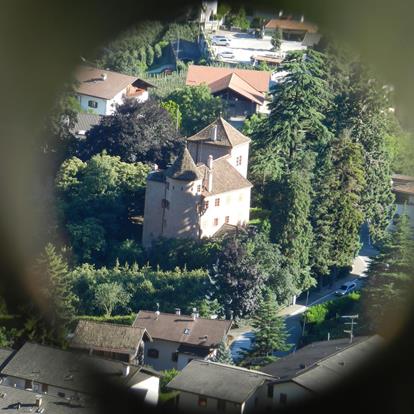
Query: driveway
<point x="244" y="45"/>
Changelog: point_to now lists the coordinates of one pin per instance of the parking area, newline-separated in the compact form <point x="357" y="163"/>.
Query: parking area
<point x="243" y="46"/>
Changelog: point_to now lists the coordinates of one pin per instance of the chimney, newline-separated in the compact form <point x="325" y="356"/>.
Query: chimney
<point x="177" y="311"/>
<point x="104" y="76"/>
<point x="194" y="314"/>
<point x="125" y="370"/>
<point x="214" y="136"/>
<point x="155" y="167"/>
<point x="302" y="18"/>
<point x="210" y="173"/>
<point x="38" y="402"/>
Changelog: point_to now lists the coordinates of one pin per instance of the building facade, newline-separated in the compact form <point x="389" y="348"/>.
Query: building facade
<point x="205" y="189"/>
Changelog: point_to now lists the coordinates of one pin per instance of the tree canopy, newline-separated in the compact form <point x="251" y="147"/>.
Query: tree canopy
<point x="143" y="132"/>
<point x="96" y="200"/>
<point x="198" y="107"/>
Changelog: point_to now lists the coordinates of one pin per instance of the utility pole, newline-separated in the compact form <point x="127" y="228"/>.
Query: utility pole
<point x="352" y="323"/>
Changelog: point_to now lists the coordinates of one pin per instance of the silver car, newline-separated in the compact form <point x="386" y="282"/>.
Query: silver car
<point x="345" y="289"/>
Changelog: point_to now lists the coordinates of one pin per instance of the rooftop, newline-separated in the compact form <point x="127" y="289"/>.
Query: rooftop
<point x="108" y="337"/>
<point x="201" y="332"/>
<point x="227" y="135"/>
<point x="184" y="168"/>
<point x="221" y="381"/>
<point x="10" y="397"/>
<point x="69" y="369"/>
<point x="225" y="178"/>
<point x="92" y="83"/>
<point x="257" y="79"/>
<point x="328" y="371"/>
<point x="306" y="357"/>
<point x="287" y="24"/>
<point x="234" y="82"/>
<point x="85" y="122"/>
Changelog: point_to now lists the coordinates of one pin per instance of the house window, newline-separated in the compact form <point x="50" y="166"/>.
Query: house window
<point x="227" y="219"/>
<point x="28" y="384"/>
<point x="202" y="401"/>
<point x="165" y="203"/>
<point x="153" y="353"/>
<point x="45" y="388"/>
<point x="198" y="188"/>
<point x="221" y="405"/>
<point x="61" y="394"/>
<point x="270" y="391"/>
<point x="215" y="222"/>
<point x="217" y="202"/>
<point x="283" y="398"/>
<point x="92" y="104"/>
<point x="206" y="205"/>
<point x="238" y="160"/>
<point x="174" y="357"/>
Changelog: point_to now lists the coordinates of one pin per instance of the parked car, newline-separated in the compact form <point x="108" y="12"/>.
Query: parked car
<point x="226" y="55"/>
<point x="220" y="41"/>
<point x="345" y="289"/>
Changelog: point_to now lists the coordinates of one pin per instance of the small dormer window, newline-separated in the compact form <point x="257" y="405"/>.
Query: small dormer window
<point x="186" y="331"/>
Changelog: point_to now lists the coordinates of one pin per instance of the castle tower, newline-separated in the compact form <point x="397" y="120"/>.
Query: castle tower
<point x="171" y="201"/>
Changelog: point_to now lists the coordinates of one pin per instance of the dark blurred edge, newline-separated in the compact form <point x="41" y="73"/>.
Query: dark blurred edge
<point x="40" y="44"/>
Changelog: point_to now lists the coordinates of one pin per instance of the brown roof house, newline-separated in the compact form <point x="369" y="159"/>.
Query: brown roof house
<point x="205" y="189"/>
<point x="100" y="90"/>
<point x="243" y="91"/>
<point x="291" y="29"/>
<point x="178" y="339"/>
<point x="109" y="340"/>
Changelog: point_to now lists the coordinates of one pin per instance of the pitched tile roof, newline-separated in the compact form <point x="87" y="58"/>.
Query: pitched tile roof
<point x="306" y="357"/>
<point x="257" y="79"/>
<point x="221" y="381"/>
<point x="5" y="356"/>
<point x="225" y="178"/>
<point x="234" y="82"/>
<point x="70" y="370"/>
<point x="10" y="397"/>
<point x="329" y="371"/>
<point x="227" y="135"/>
<point x="91" y="82"/>
<point x="85" y="122"/>
<point x="184" y="168"/>
<point x="287" y="24"/>
<point x="108" y="337"/>
<point x="201" y="332"/>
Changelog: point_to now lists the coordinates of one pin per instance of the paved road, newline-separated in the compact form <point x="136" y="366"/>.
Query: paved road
<point x="245" y="45"/>
<point x="293" y="313"/>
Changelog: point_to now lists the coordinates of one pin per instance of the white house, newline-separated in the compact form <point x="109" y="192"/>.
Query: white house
<point x="74" y="376"/>
<point x="204" y="191"/>
<point x="210" y="387"/>
<point x="100" y="90"/>
<point x="177" y="339"/>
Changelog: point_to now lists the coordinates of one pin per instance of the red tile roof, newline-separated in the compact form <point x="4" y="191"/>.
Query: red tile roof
<point x="171" y="327"/>
<point x="287" y="24"/>
<point x="257" y="79"/>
